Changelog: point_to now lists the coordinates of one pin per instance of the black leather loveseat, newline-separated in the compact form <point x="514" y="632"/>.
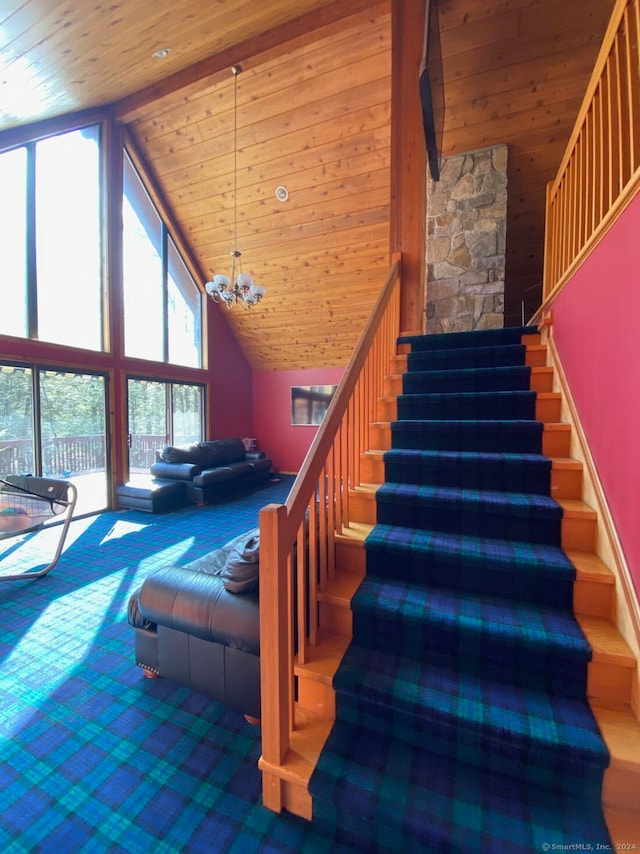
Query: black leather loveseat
<point x="212" y="469"/>
<point x="199" y="624"/>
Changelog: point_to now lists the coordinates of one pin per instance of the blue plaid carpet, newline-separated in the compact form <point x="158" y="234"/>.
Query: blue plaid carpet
<point x="95" y="758"/>
<point x="462" y="722"/>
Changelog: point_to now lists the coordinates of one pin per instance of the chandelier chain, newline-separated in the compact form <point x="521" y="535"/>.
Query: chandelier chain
<point x="240" y="289"/>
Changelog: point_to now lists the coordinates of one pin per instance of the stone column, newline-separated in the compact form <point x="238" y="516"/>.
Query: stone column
<point x="466" y="238"/>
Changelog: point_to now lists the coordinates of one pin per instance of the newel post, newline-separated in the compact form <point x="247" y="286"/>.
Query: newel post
<point x="408" y="211"/>
<point x="276" y="666"/>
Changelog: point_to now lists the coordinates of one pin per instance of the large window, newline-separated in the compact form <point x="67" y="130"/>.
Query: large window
<point x="13" y="242"/>
<point x="53" y="424"/>
<point x="50" y="240"/>
<point x="162" y="313"/>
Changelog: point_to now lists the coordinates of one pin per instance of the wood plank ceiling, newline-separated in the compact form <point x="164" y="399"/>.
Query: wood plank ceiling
<point x="313" y="116"/>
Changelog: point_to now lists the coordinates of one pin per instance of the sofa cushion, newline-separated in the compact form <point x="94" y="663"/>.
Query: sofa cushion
<point x="222" y="474"/>
<point x="260" y="465"/>
<point x="174" y="471"/>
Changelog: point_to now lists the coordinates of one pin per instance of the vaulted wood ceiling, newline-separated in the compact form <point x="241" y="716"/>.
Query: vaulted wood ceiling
<point x="313" y="116"/>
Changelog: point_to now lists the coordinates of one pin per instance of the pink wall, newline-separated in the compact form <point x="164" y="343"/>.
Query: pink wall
<point x="285" y="444"/>
<point x="596" y="330"/>
<point x="230" y="403"/>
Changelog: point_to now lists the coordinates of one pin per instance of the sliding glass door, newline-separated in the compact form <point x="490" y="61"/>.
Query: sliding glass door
<point x="161" y="413"/>
<point x="53" y="424"/>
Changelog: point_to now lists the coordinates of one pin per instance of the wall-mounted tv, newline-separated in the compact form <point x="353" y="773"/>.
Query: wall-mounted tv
<point x="309" y="403"/>
<point x="432" y="89"/>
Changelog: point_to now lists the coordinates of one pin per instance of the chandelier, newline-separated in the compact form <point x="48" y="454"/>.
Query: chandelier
<point x="238" y="288"/>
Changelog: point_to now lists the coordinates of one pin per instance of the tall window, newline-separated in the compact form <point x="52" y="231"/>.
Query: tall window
<point x="50" y="240"/>
<point x="162" y="314"/>
<point x="13" y="242"/>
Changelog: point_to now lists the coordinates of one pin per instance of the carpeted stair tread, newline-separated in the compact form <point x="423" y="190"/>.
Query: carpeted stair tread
<point x="479" y="634"/>
<point x="487" y="435"/>
<point x="487" y="470"/>
<point x="409" y="799"/>
<point x="490" y="721"/>
<point x="489" y="513"/>
<point x="507" y="378"/>
<point x="483" y="404"/>
<point x="463" y="340"/>
<point x="470" y="357"/>
<point x="519" y="570"/>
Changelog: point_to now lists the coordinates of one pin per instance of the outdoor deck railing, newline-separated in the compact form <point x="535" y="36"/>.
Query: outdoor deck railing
<point x="600" y="171"/>
<point x="73" y="454"/>
<point x="297" y="539"/>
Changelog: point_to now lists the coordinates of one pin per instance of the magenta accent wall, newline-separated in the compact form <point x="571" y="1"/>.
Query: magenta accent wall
<point x="230" y="403"/>
<point x="597" y="333"/>
<point x="285" y="444"/>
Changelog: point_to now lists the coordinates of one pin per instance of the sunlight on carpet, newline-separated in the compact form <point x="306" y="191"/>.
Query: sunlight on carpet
<point x="95" y="758"/>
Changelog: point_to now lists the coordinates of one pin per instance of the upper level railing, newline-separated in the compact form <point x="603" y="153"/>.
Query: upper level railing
<point x="600" y="171"/>
<point x="297" y="539"/>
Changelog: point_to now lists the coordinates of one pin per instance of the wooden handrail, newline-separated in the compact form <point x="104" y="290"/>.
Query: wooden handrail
<point x="600" y="171"/>
<point x="297" y="539"/>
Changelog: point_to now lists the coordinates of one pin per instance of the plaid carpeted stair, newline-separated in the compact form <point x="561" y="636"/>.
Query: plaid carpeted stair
<point x="461" y="716"/>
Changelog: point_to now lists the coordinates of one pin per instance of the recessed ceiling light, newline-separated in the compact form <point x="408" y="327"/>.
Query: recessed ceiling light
<point x="282" y="194"/>
<point x="163" y="53"/>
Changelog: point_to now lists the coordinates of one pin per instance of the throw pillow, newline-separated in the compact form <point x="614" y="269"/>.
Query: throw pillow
<point x="180" y="454"/>
<point x="241" y="569"/>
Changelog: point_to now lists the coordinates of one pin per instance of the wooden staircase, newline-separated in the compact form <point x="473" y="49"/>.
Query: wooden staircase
<point x="612" y="672"/>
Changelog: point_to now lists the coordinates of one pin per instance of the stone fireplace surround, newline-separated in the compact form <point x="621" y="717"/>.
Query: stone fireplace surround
<point x="466" y="238"/>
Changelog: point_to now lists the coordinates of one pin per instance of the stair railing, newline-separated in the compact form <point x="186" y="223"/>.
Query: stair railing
<point x="600" y="171"/>
<point x="297" y="539"/>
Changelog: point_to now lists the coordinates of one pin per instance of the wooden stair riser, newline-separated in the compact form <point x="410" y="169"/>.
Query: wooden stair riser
<point x="609" y="682"/>
<point x="579" y="529"/>
<point x="316" y="697"/>
<point x="380" y="435"/>
<point x="566" y="479"/>
<point x="621" y="788"/>
<point x="387" y="409"/>
<point x="556" y="440"/>
<point x="593" y="598"/>
<point x="548" y="407"/>
<point x="371" y="467"/>
<point x="350" y="557"/>
<point x="335" y="619"/>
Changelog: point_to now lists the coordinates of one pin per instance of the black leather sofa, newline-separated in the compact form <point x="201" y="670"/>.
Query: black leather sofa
<point x="212" y="469"/>
<point x="199" y="625"/>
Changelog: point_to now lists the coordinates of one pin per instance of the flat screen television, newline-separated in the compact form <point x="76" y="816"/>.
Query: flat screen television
<point x="309" y="403"/>
<point x="432" y="89"/>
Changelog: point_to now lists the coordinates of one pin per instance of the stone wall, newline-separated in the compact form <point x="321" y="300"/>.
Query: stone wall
<point x="466" y="236"/>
